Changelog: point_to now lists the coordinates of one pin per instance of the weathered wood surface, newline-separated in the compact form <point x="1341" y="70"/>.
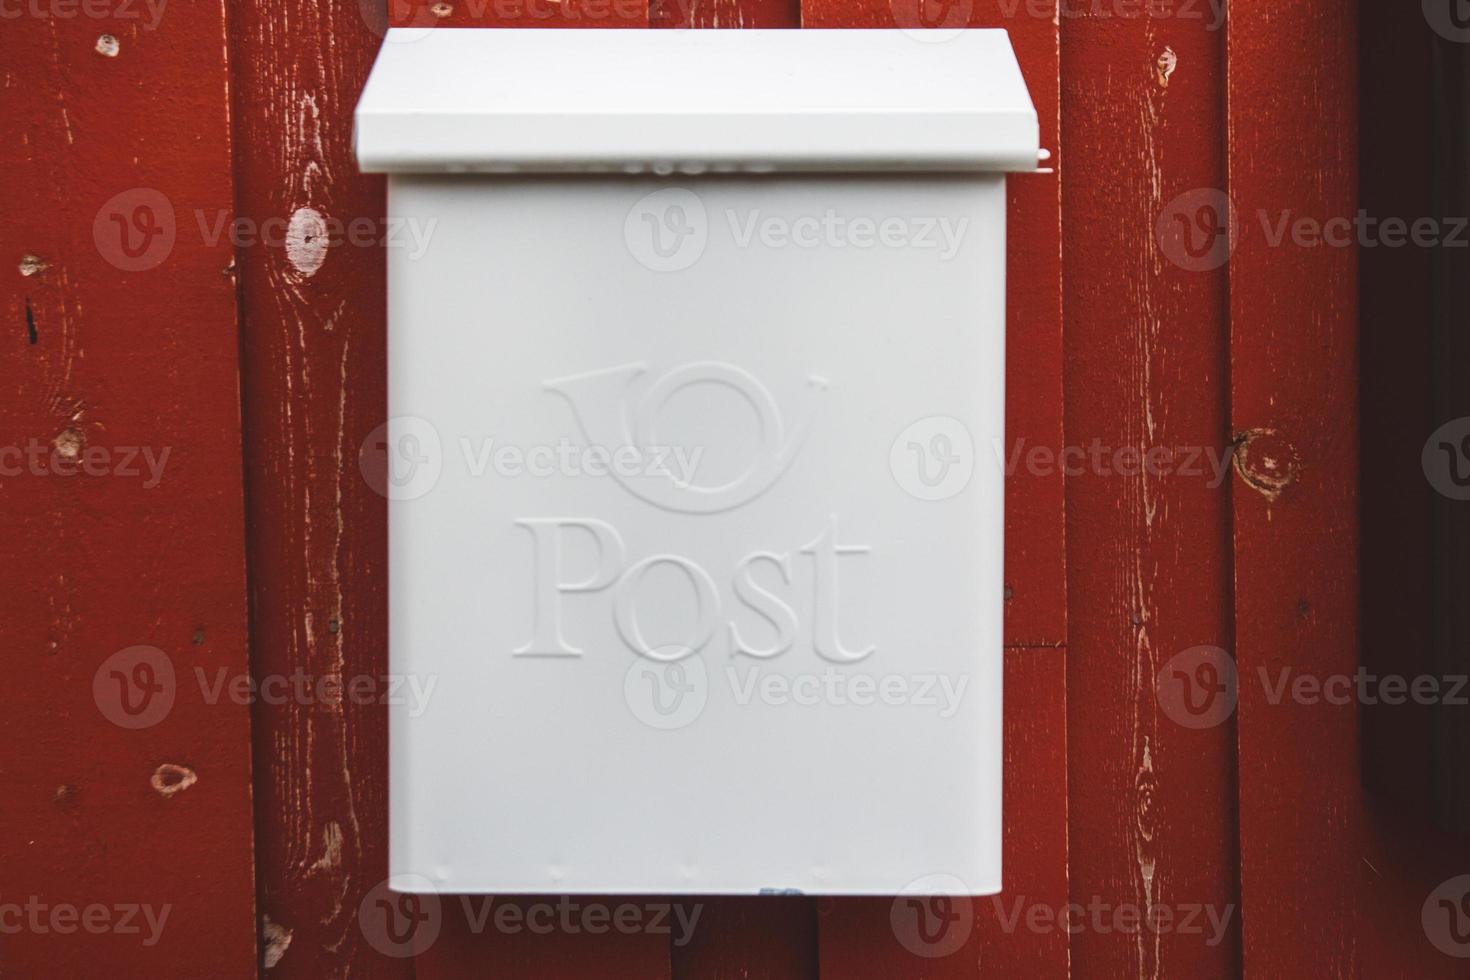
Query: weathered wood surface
<point x="1334" y="881"/>
<point x="725" y="14"/>
<point x="1293" y="372"/>
<point x="1151" y="800"/>
<point x="314" y="377"/>
<point x="1258" y="816"/>
<point x="125" y="819"/>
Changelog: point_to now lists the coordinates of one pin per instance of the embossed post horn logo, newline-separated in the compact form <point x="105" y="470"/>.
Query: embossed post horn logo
<point x="618" y="407"/>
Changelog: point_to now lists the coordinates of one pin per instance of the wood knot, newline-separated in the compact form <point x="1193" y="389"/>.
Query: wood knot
<point x="1145" y="791"/>
<point x="69" y="442"/>
<point x="1266" y="461"/>
<point x="169" y="779"/>
<point x="275" y="940"/>
<point x="1164" y="67"/>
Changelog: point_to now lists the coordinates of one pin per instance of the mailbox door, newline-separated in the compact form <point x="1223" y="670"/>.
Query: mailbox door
<point x="702" y="546"/>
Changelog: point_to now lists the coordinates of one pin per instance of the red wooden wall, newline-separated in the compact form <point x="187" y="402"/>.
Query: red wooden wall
<point x="126" y="787"/>
<point x="137" y="320"/>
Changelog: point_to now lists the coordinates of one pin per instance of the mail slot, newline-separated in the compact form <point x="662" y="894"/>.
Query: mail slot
<point x="696" y="385"/>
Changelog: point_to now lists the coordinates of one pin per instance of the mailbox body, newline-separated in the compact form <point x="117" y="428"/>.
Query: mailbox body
<point x="695" y="526"/>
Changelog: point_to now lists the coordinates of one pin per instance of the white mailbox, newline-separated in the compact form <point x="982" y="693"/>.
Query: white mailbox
<point x="696" y="376"/>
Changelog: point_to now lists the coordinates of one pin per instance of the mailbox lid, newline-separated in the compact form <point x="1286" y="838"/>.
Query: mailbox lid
<point x="451" y="100"/>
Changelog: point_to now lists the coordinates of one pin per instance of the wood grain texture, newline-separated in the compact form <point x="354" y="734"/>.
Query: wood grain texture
<point x="101" y="353"/>
<point x="724" y="14"/>
<point x="1293" y="369"/>
<point x="120" y="504"/>
<point x="313" y="367"/>
<point x="1335" y="879"/>
<point x="1017" y="933"/>
<point x="1151" y="800"/>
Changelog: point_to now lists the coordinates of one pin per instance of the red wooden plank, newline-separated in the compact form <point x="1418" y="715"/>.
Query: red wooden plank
<point x="313" y="366"/>
<point x="1151" y="799"/>
<point x="125" y="839"/>
<point x="1293" y="145"/>
<point x="1019" y="933"/>
<point x="1293" y="380"/>
<point x="1036" y="607"/>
